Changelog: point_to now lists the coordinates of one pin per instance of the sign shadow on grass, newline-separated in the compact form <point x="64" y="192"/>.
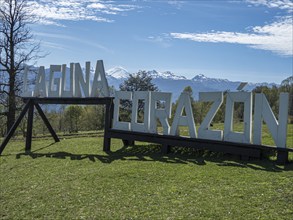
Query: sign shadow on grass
<point x="151" y="153"/>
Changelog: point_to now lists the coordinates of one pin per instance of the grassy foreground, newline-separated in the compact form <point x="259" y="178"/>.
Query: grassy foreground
<point x="75" y="179"/>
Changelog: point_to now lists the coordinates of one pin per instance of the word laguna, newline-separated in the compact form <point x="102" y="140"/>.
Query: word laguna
<point x="154" y="111"/>
<point x="80" y="84"/>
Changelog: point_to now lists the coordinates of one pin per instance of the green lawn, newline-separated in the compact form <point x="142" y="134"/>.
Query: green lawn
<point x="75" y="179"/>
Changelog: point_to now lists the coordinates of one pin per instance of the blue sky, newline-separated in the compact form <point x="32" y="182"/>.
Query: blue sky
<point x="249" y="40"/>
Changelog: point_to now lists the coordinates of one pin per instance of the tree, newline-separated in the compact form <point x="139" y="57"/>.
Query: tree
<point x="92" y="117"/>
<point x="140" y="81"/>
<point x="72" y="117"/>
<point x="188" y="90"/>
<point x="272" y="95"/>
<point x="2" y="121"/>
<point x="17" y="48"/>
<point x="288" y="82"/>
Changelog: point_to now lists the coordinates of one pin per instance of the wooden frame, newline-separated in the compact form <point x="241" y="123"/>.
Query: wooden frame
<point x="33" y="102"/>
<point x="245" y="151"/>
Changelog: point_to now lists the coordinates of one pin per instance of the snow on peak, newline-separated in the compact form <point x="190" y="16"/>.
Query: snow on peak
<point x="154" y="74"/>
<point x="118" y="72"/>
<point x="121" y="73"/>
<point x="164" y="75"/>
<point x="200" y="77"/>
<point x="203" y="78"/>
<point x="173" y="76"/>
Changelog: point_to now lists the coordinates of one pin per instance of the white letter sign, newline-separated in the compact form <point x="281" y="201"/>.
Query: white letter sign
<point x="203" y="130"/>
<point x="229" y="134"/>
<point x="64" y="92"/>
<point x="117" y="124"/>
<point x="262" y="110"/>
<point x="136" y="126"/>
<point x="41" y="86"/>
<point x="25" y="88"/>
<point x="159" y="113"/>
<point x="180" y="120"/>
<point x="54" y="83"/>
<point x="80" y="81"/>
<point x="100" y="86"/>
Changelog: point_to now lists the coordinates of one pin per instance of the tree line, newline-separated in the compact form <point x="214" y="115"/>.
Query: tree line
<point x="64" y="119"/>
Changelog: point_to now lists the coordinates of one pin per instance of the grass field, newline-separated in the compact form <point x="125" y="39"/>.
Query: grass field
<point x="75" y="179"/>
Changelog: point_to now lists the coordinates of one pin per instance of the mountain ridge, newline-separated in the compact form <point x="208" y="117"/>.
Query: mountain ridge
<point x="170" y="82"/>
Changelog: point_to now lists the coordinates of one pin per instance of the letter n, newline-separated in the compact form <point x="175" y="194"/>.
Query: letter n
<point x="278" y="129"/>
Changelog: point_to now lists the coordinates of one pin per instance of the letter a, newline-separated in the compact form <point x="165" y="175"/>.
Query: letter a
<point x="180" y="120"/>
<point x="100" y="85"/>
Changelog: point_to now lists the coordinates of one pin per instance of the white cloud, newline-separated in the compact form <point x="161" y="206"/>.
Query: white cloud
<point x="281" y="4"/>
<point x="162" y="41"/>
<point x="275" y="37"/>
<point x="54" y="45"/>
<point x="176" y="3"/>
<point x="75" y="39"/>
<point x="111" y="8"/>
<point x="51" y="12"/>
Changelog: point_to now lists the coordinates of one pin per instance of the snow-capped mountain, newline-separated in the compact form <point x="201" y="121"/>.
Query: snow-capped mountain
<point x="203" y="78"/>
<point x="118" y="73"/>
<point x="170" y="82"/>
<point x="122" y="73"/>
<point x="164" y="75"/>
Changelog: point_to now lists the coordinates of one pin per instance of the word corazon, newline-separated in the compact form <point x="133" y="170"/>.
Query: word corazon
<point x="79" y="83"/>
<point x="154" y="110"/>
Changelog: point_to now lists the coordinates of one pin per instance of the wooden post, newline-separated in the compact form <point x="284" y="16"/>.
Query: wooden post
<point x="14" y="126"/>
<point x="282" y="157"/>
<point x="165" y="149"/>
<point x="47" y="123"/>
<point x="244" y="157"/>
<point x="128" y="142"/>
<point x="29" y="129"/>
<point x="108" y="125"/>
